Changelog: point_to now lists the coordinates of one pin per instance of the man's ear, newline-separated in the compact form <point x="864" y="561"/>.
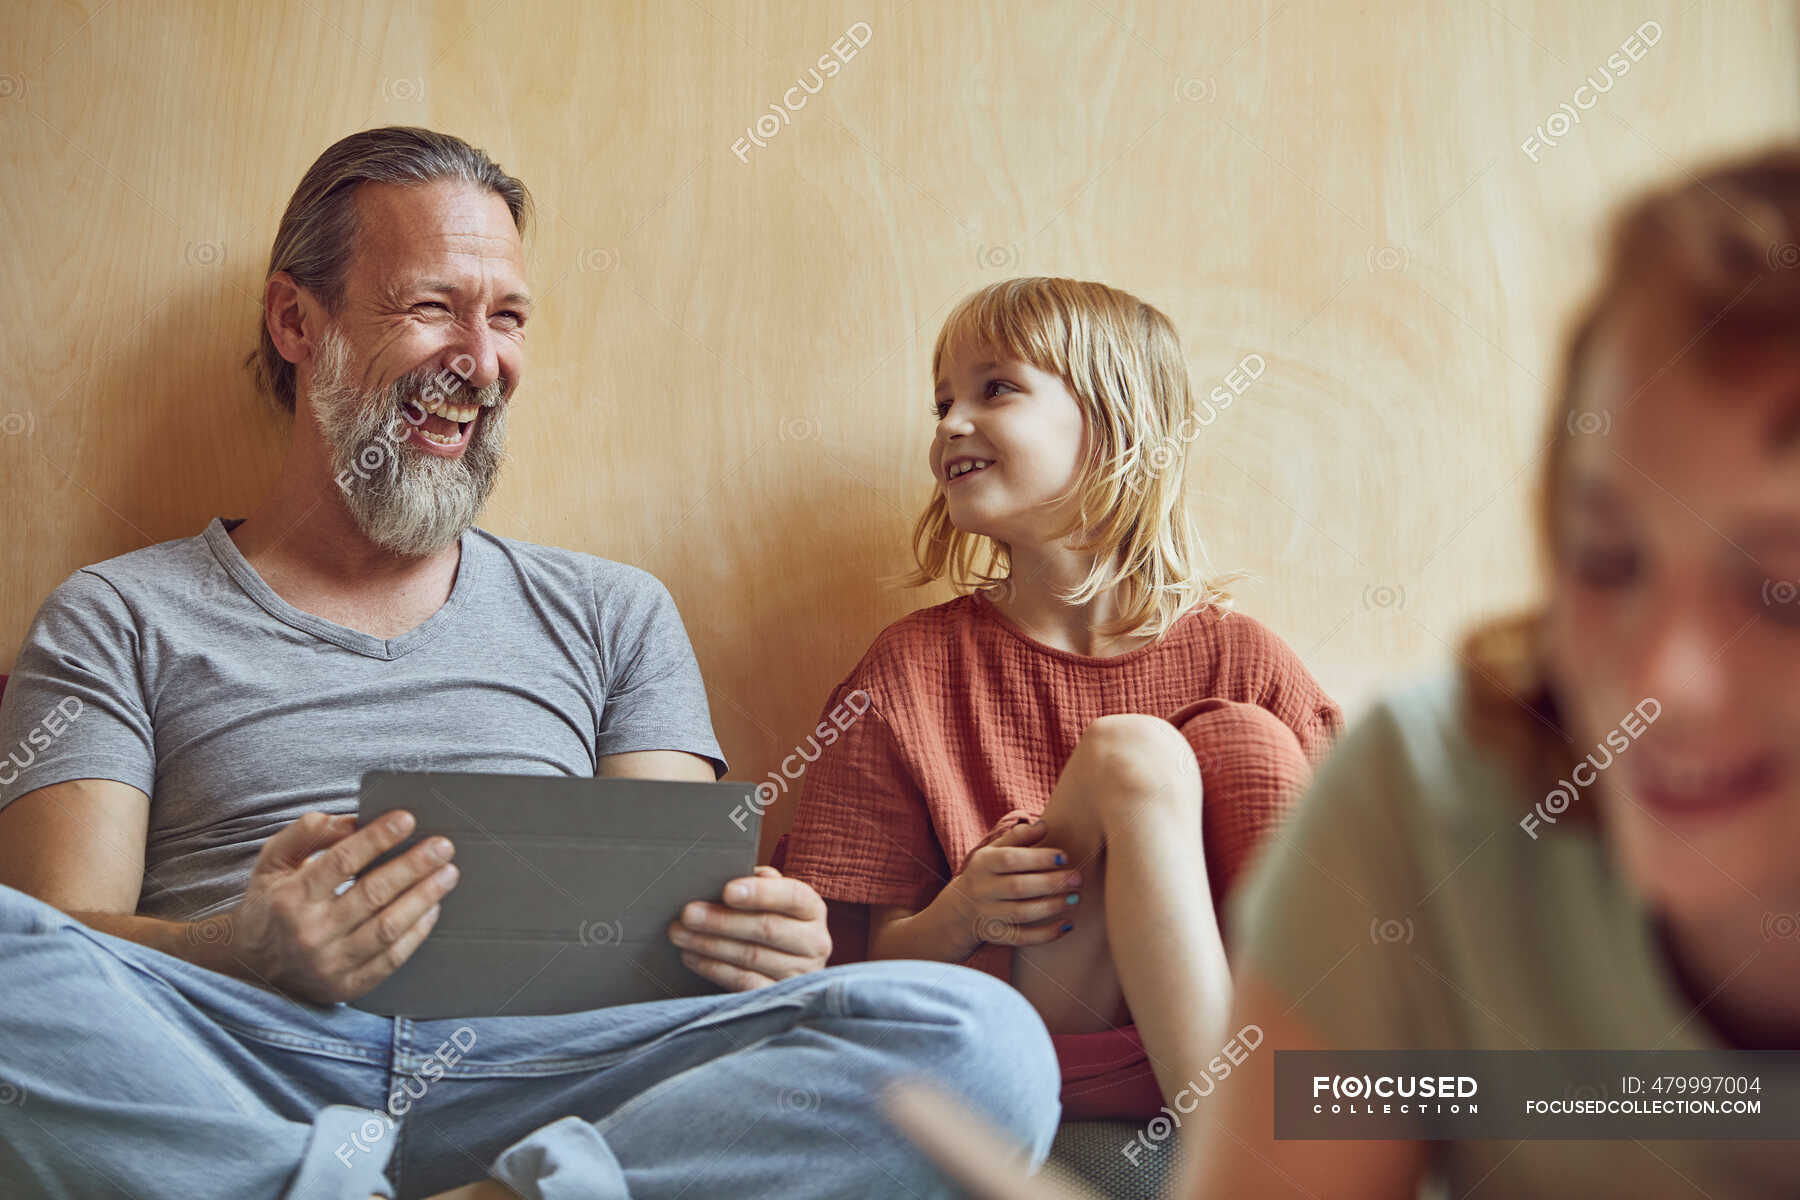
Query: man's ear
<point x="292" y="316"/>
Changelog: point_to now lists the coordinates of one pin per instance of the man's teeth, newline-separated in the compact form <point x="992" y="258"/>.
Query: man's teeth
<point x="963" y="468"/>
<point x="441" y="407"/>
<point x="439" y="438"/>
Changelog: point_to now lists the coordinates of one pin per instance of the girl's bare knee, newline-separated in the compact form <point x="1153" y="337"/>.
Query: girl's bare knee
<point x="1136" y="758"/>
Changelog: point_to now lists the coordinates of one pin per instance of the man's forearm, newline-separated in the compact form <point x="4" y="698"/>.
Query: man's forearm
<point x="203" y="943"/>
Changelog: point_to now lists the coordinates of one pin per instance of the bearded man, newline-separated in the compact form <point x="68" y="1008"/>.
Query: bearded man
<point x="184" y="904"/>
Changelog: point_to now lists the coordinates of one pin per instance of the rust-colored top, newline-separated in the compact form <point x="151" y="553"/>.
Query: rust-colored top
<point x="967" y="723"/>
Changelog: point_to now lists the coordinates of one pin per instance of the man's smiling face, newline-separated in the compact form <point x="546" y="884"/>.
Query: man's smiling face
<point x="410" y="382"/>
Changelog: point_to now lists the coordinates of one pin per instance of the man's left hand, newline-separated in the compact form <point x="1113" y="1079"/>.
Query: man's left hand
<point x="770" y="927"/>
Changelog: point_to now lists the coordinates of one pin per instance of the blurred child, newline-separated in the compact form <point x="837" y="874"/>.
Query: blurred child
<point x="1584" y="837"/>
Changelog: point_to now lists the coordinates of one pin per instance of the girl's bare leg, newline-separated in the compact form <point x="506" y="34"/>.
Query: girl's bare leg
<point x="1146" y="946"/>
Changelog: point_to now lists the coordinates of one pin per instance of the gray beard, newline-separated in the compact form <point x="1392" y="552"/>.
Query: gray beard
<point x="404" y="500"/>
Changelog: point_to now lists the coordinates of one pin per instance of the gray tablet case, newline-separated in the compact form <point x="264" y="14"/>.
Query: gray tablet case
<point x="568" y="886"/>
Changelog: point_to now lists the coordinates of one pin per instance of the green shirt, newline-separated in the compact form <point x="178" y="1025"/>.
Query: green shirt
<point x="1405" y="907"/>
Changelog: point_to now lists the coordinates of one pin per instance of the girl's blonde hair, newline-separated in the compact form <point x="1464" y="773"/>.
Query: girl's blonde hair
<point x="1122" y="361"/>
<point x="1721" y="249"/>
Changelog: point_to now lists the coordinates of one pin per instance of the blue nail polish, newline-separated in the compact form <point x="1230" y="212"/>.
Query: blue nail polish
<point x="1059" y="860"/>
<point x="1066" y="928"/>
<point x="1074" y="897"/>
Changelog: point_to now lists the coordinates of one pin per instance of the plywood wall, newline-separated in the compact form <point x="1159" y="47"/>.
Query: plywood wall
<point x="728" y="376"/>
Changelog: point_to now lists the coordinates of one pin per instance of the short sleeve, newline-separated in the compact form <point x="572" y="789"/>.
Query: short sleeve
<point x="655" y="698"/>
<point x="1327" y="913"/>
<point x="1293" y="695"/>
<point x="862" y="832"/>
<point x="74" y="706"/>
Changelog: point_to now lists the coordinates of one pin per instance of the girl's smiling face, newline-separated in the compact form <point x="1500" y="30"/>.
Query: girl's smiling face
<point x="1025" y="425"/>
<point x="1677" y="579"/>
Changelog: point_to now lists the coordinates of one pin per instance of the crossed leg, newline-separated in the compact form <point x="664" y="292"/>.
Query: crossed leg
<point x="126" y="1072"/>
<point x="1147" y="945"/>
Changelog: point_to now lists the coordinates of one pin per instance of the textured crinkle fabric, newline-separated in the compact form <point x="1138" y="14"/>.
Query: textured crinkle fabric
<point x="1253" y="768"/>
<point x="1106" y="1075"/>
<point x="963" y="724"/>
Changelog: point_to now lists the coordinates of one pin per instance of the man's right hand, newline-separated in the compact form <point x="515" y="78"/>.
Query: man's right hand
<point x="294" y="932"/>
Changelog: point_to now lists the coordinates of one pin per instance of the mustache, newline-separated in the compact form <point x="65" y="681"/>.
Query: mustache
<point x="444" y="383"/>
<point x="409" y="502"/>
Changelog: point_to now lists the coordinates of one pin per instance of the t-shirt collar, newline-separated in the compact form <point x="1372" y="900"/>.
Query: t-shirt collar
<point x="218" y="538"/>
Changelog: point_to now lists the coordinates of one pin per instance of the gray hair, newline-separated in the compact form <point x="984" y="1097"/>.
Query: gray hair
<point x="317" y="235"/>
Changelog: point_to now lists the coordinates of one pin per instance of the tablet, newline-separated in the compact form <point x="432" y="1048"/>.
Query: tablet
<point x="567" y="889"/>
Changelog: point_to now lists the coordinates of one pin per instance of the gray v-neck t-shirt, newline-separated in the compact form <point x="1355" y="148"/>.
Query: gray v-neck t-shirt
<point x="178" y="670"/>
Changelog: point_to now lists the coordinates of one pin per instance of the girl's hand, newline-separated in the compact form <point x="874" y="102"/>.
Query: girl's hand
<point x="1011" y="891"/>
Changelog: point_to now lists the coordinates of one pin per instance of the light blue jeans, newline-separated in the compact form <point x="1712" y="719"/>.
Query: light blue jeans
<point x="125" y="1072"/>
